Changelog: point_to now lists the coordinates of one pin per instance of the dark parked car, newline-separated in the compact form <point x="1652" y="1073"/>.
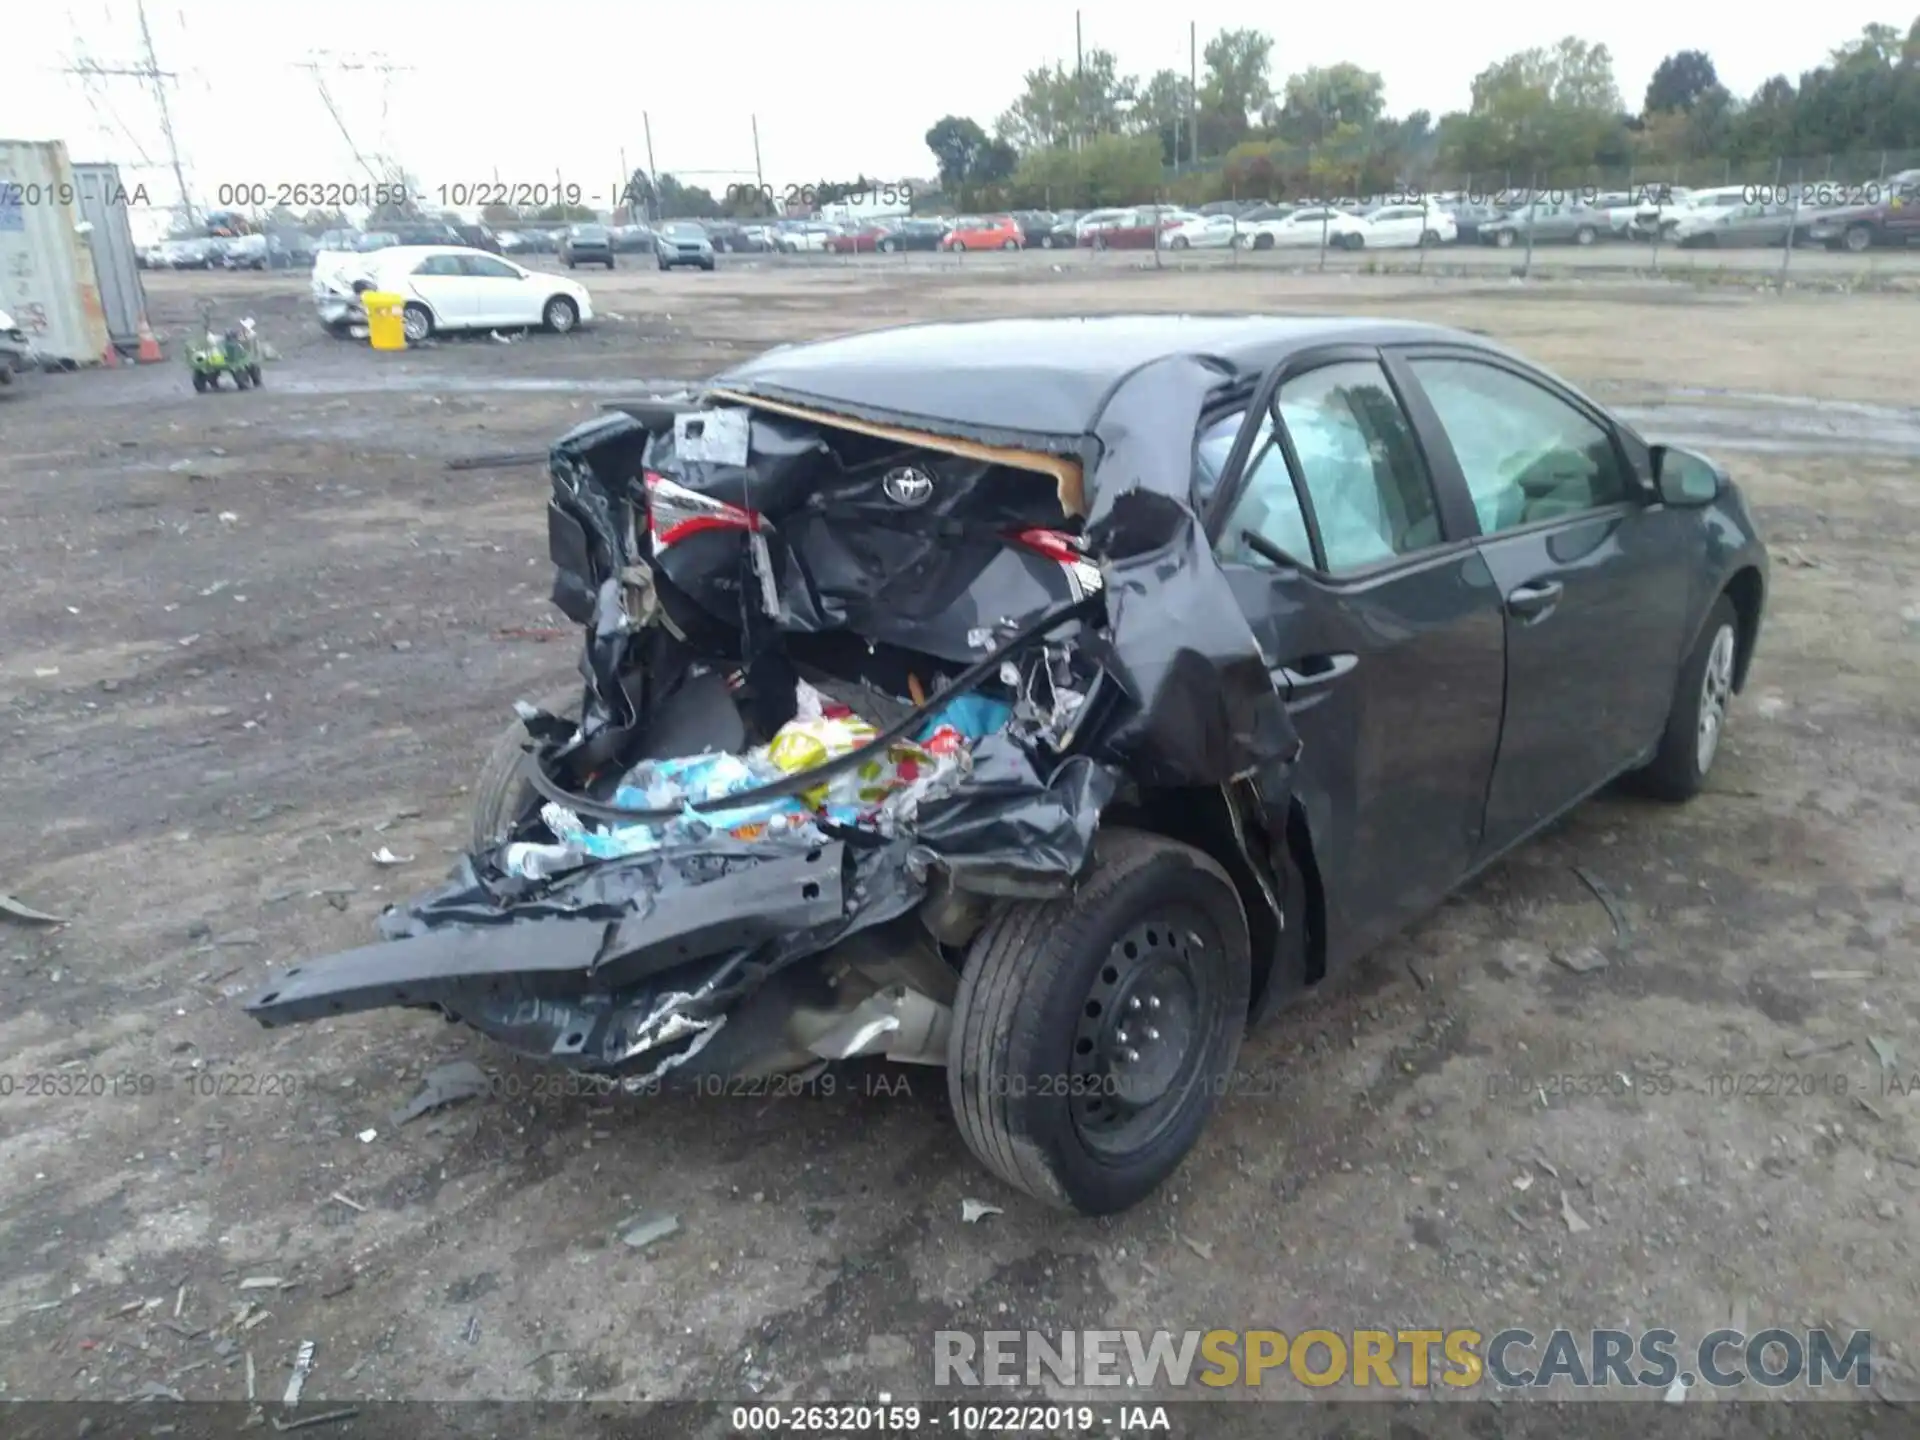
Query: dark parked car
<point x="632" y="240"/>
<point x="1036" y="227"/>
<point x="913" y="235"/>
<point x="683" y="242"/>
<point x="1063" y="235"/>
<point x="1895" y="220"/>
<point x="479" y="237"/>
<point x="1429" y="598"/>
<point x="734" y="238"/>
<point x="587" y="245"/>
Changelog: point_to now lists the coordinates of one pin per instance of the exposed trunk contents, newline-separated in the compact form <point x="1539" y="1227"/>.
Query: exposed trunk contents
<point x="833" y="670"/>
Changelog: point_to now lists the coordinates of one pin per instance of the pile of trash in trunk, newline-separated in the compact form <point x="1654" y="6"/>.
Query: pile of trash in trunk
<point x="881" y="795"/>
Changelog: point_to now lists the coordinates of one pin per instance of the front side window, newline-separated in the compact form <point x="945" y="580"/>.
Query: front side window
<point x="1268" y="505"/>
<point x="1527" y="454"/>
<point x="488" y="268"/>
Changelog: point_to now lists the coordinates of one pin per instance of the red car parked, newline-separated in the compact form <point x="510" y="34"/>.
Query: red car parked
<point x="1136" y="229"/>
<point x="862" y="241"/>
<point x="984" y="232"/>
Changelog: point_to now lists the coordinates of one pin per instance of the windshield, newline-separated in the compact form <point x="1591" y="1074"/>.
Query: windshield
<point x="589" y="232"/>
<point x="683" y="228"/>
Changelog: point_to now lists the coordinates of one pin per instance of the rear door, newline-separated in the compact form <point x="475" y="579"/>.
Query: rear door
<point x="443" y="284"/>
<point x="1383" y="629"/>
<point x="502" y="293"/>
<point x="1591" y="570"/>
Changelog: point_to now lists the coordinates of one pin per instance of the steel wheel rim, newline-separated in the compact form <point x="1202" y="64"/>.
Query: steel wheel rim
<point x="413" y="325"/>
<point x="560" y="316"/>
<point x="1716" y="689"/>
<point x="1142" y="1033"/>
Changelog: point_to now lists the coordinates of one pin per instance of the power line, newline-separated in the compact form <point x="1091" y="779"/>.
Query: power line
<point x="157" y="79"/>
<point x="321" y="63"/>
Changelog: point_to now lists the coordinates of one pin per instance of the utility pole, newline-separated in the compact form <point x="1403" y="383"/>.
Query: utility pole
<point x="653" y="175"/>
<point x="1079" y="81"/>
<point x="148" y="70"/>
<point x="1193" y="93"/>
<point x="759" y="175"/>
<point x="322" y="61"/>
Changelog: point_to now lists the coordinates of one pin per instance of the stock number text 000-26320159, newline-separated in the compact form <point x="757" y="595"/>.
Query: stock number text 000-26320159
<point x="789" y="197"/>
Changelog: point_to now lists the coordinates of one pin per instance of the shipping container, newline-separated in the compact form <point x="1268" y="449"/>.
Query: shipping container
<point x="116" y="268"/>
<point x="47" y="278"/>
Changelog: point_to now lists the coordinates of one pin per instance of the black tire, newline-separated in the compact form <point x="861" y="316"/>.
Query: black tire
<point x="1263" y="241"/>
<point x="423" y="318"/>
<point x="610" y="262"/>
<point x="560" y="315"/>
<point x="886" y="247"/>
<point x="1010" y="245"/>
<point x="1505" y="239"/>
<point x="1179" y="242"/>
<point x="708" y="267"/>
<point x="239" y="378"/>
<point x="253" y="374"/>
<point x="501" y="793"/>
<point x="1585" y="235"/>
<point x="1028" y="1009"/>
<point x="572" y="266"/>
<point x="1676" y="772"/>
<point x="1858" y="239"/>
<point x="199" y="383"/>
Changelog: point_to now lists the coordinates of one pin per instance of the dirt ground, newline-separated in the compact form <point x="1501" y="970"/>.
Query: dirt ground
<point x="253" y="638"/>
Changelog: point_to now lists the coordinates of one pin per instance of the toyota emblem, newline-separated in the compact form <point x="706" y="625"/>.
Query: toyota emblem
<point x="908" y="486"/>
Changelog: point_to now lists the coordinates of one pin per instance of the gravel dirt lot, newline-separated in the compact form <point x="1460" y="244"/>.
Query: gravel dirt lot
<point x="252" y="638"/>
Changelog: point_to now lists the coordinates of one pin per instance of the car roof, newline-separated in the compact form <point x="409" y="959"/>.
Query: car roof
<point x="1043" y="376"/>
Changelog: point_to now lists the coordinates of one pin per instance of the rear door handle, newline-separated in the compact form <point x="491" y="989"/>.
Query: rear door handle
<point x="1530" y="602"/>
<point x="1316" y="671"/>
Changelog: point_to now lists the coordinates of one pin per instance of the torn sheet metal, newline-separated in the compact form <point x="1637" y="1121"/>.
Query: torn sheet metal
<point x="1204" y="707"/>
<point x="905" y="571"/>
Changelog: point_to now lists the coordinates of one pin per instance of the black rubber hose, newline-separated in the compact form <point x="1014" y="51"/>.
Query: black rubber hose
<point x="983" y="669"/>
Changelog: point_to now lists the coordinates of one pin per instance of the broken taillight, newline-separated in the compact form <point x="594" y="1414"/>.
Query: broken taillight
<point x="1068" y="551"/>
<point x="674" y="512"/>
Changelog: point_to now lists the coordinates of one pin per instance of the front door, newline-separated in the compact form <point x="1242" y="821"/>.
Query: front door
<point x="440" y="281"/>
<point x="501" y="294"/>
<point x="1382" y="629"/>
<point x="1591" y="571"/>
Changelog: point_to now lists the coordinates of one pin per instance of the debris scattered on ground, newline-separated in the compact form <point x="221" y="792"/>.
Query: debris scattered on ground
<point x="239" y="937"/>
<point x="17" y="909"/>
<point x="1677" y="1391"/>
<point x="1806" y="1049"/>
<point x="534" y="632"/>
<point x="1583" y="960"/>
<point x="302" y="1367"/>
<point x="1883" y="1051"/>
<point x="1523" y="1182"/>
<point x="444" y="1085"/>
<point x="262" y="1282"/>
<point x="1621" y="930"/>
<point x="367" y="1137"/>
<point x="305" y="1421"/>
<point x="472" y="1333"/>
<point x="974" y="1211"/>
<point x="640" y="1233"/>
<point x="347" y="1201"/>
<point x="384" y="856"/>
<point x="1199" y="1247"/>
<point x="1575" y="1224"/>
<point x="1840" y="974"/>
<point x="500" y="460"/>
<point x="250" y="1374"/>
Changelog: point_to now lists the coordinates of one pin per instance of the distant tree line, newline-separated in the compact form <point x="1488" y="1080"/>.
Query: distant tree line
<point x="1090" y="135"/>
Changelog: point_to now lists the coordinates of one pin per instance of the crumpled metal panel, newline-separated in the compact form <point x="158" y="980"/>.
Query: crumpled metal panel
<point x="1204" y="708"/>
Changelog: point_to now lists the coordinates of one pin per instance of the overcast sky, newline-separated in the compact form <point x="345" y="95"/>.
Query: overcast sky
<point x="521" y="92"/>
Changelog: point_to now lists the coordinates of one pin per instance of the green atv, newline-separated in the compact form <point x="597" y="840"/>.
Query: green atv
<point x="236" y="352"/>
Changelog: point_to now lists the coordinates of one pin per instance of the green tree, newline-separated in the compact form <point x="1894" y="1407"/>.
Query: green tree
<point x="1319" y="100"/>
<point x="639" y="195"/>
<point x="1236" y="87"/>
<point x="1548" y="113"/>
<point x="1164" y="108"/>
<point x="954" y="141"/>
<point x="1058" y="106"/>
<point x="1107" y="170"/>
<point x="685" y="202"/>
<point x="1680" y="80"/>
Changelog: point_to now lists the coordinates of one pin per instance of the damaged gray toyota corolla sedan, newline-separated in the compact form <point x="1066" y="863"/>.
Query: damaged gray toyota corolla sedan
<point x="1044" y="698"/>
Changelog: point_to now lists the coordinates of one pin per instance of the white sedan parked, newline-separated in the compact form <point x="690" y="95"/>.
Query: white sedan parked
<point x="1306" y="229"/>
<point x="1411" y="225"/>
<point x="447" y="287"/>
<point x="1209" y="232"/>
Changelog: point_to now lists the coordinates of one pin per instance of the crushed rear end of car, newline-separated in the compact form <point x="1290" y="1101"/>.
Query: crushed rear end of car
<point x="848" y="684"/>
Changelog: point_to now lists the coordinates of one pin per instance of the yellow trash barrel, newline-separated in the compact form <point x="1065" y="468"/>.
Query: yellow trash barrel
<point x="386" y="320"/>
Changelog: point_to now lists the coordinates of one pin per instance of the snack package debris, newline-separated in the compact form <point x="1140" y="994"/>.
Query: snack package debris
<point x="880" y="794"/>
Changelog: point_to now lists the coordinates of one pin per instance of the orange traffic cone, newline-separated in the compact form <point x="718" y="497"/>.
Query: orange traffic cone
<point x="110" y="357"/>
<point x="149" y="351"/>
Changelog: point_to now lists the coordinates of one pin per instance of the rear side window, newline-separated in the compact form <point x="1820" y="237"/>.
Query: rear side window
<point x="1268" y="504"/>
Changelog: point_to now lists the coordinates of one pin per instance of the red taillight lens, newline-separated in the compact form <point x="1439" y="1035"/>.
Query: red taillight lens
<point x="1066" y="551"/>
<point x="674" y="512"/>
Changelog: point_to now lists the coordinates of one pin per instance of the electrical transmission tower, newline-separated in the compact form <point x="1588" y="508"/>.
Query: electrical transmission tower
<point x="319" y="65"/>
<point x="157" y="80"/>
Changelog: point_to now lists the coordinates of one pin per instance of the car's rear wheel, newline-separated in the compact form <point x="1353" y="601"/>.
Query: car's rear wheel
<point x="887" y="247"/>
<point x="958" y="245"/>
<point x="1430" y="238"/>
<point x="501" y="792"/>
<point x="1585" y="235"/>
<point x="1263" y="242"/>
<point x="1093" y="1035"/>
<point x="1858" y="239"/>
<point x="199" y="383"/>
<point x="1179" y="242"/>
<point x="1697" y="723"/>
<point x="1505" y="239"/>
<point x="560" y="315"/>
<point x="416" y="322"/>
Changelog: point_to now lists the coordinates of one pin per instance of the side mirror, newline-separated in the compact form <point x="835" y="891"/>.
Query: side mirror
<point x="1684" y="478"/>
